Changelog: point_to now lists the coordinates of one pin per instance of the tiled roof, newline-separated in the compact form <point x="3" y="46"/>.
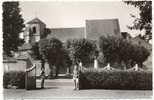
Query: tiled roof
<point x="35" y="20"/>
<point x="67" y="33"/>
<point x="102" y="27"/>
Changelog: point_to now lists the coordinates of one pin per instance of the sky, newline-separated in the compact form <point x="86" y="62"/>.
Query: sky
<point x="73" y="14"/>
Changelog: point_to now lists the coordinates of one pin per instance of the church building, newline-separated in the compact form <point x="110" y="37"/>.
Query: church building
<point x="93" y="30"/>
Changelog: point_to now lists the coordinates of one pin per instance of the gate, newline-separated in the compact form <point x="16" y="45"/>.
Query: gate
<point x="30" y="78"/>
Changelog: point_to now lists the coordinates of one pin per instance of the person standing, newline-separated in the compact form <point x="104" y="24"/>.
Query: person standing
<point x="42" y="77"/>
<point x="76" y="77"/>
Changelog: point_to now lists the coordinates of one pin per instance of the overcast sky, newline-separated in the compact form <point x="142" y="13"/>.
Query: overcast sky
<point x="74" y="14"/>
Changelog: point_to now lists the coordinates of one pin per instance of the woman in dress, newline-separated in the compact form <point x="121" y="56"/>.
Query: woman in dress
<point x="76" y="77"/>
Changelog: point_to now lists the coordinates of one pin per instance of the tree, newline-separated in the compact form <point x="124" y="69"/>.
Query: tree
<point x="42" y="51"/>
<point x="121" y="50"/>
<point x="35" y="51"/>
<point x="51" y="50"/>
<point x="46" y="32"/>
<point x="13" y="24"/>
<point x="145" y="20"/>
<point x="139" y="54"/>
<point x="35" y="46"/>
<point x="67" y="62"/>
<point x="81" y="50"/>
<point x="109" y="47"/>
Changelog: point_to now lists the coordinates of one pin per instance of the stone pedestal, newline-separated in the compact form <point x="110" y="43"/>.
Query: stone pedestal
<point x="136" y="67"/>
<point x="108" y="66"/>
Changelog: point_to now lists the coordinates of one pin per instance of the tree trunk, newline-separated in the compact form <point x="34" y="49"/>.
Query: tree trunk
<point x="57" y="71"/>
<point x="140" y="65"/>
<point x="68" y="71"/>
<point x="123" y="65"/>
<point x="42" y="64"/>
<point x="51" y="70"/>
<point x="132" y="63"/>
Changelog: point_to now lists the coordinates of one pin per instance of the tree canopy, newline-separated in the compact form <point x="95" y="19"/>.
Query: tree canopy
<point x="144" y="22"/>
<point x="121" y="50"/>
<point x="81" y="50"/>
<point x="13" y="24"/>
<point x="51" y="50"/>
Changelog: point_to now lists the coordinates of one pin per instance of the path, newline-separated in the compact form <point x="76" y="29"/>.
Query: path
<point x="63" y="88"/>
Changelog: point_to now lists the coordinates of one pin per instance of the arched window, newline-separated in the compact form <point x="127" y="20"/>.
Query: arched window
<point x="34" y="29"/>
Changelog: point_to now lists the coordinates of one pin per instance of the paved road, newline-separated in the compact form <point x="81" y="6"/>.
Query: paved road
<point x="63" y="88"/>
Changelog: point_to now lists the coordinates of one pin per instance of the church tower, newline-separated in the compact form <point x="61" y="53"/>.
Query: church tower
<point x="34" y="29"/>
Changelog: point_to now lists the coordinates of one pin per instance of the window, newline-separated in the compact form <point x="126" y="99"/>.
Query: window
<point x="34" y="29"/>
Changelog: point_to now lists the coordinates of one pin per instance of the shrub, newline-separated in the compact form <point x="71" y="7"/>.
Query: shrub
<point x="14" y="78"/>
<point x="131" y="80"/>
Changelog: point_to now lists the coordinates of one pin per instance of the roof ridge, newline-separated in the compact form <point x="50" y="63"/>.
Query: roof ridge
<point x="35" y="20"/>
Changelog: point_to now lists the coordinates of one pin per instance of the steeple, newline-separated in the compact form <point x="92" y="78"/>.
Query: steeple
<point x="35" y="28"/>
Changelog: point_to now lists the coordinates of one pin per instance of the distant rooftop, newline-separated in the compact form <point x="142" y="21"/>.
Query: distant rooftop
<point x="102" y="19"/>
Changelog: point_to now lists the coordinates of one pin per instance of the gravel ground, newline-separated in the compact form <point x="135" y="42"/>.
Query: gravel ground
<point x="63" y="88"/>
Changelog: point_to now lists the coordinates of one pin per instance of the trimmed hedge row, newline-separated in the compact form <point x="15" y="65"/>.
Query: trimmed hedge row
<point x="128" y="80"/>
<point x="14" y="78"/>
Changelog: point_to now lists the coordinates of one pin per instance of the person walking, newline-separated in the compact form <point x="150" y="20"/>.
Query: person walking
<point x="76" y="77"/>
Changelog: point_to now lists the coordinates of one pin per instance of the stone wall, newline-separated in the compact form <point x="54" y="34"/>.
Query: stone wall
<point x="14" y="66"/>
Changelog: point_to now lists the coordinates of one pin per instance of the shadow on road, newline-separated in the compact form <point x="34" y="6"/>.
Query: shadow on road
<point x="38" y="88"/>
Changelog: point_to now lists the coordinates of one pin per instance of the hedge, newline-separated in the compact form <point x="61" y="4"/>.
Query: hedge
<point x="14" y="78"/>
<point x="126" y="80"/>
